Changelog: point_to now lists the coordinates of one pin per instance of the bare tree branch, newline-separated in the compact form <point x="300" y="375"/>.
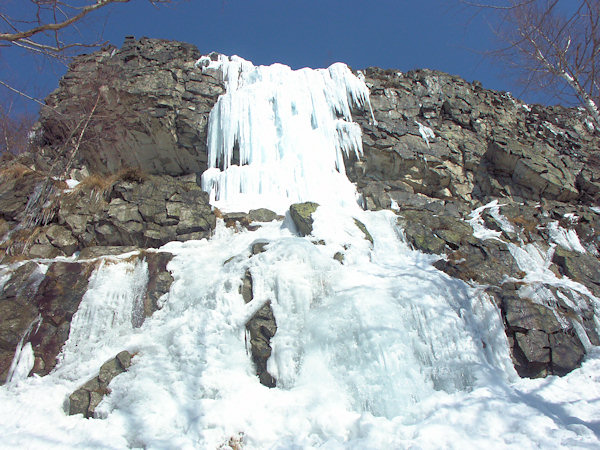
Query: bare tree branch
<point x="553" y="44"/>
<point x="11" y="37"/>
<point x="44" y="27"/>
<point x="16" y="91"/>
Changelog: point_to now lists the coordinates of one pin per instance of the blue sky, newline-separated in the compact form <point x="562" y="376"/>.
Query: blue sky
<point x="399" y="34"/>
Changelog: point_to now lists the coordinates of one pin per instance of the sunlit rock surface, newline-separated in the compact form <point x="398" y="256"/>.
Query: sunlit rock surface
<point x="324" y="258"/>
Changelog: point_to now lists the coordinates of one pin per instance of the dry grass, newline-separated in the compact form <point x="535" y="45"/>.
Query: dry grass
<point x="134" y="174"/>
<point x="16" y="246"/>
<point x="529" y="225"/>
<point x="15" y="171"/>
<point x="96" y="182"/>
<point x="102" y="184"/>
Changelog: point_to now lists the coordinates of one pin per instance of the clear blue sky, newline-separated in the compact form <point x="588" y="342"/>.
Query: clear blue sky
<point x="399" y="34"/>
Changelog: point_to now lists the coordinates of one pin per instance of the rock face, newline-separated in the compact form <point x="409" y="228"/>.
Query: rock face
<point x="57" y="300"/>
<point x="442" y="137"/>
<point x="547" y="324"/>
<point x="140" y="213"/>
<point x="148" y="107"/>
<point x="17" y="311"/>
<point x="438" y="149"/>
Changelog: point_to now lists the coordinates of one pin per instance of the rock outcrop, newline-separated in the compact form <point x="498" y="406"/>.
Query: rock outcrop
<point x="440" y="136"/>
<point x="141" y="213"/>
<point x="543" y="319"/>
<point x="148" y="106"/>
<point x="438" y="149"/>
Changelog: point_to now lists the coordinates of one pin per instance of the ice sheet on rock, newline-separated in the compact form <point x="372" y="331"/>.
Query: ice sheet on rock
<point x="383" y="351"/>
<point x="109" y="311"/>
<point x="22" y="363"/>
<point x="567" y="239"/>
<point x="480" y="231"/>
<point x="279" y="136"/>
<point x="426" y="132"/>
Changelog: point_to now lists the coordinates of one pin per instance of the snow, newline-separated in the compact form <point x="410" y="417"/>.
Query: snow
<point x="480" y="231"/>
<point x="22" y="363"/>
<point x="382" y="351"/>
<point x="71" y="183"/>
<point x="426" y="132"/>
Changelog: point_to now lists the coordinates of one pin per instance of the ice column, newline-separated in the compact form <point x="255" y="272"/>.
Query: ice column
<point x="279" y="136"/>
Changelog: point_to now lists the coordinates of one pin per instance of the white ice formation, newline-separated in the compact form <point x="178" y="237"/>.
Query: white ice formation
<point x="279" y="136"/>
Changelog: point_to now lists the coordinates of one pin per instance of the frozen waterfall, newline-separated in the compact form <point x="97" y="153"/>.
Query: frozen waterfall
<point x="278" y="136"/>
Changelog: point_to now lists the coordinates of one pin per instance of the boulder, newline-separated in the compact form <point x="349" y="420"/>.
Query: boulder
<point x="85" y="399"/>
<point x="301" y="214"/>
<point x="263" y="215"/>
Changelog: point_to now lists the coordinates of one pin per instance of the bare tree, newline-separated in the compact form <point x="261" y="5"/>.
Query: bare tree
<point x="554" y="44"/>
<point x="49" y="27"/>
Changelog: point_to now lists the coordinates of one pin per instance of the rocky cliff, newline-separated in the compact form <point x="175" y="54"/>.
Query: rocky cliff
<point x="474" y="176"/>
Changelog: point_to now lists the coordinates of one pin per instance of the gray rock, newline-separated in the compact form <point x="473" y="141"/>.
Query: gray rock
<point x="263" y="215"/>
<point x="159" y="281"/>
<point x="85" y="399"/>
<point x="535" y="345"/>
<point x="301" y="214"/>
<point x="57" y="299"/>
<point x="524" y="315"/>
<point x="261" y="328"/>
<point x="259" y="247"/>
<point x="567" y="352"/>
<point x="16" y="312"/>
<point x="583" y="268"/>
<point x="98" y="251"/>
<point x="339" y="257"/>
<point x="148" y="117"/>
<point x="63" y="239"/>
<point x="361" y="226"/>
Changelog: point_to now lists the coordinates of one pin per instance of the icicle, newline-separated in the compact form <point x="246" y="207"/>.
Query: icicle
<point x="24" y="358"/>
<point x="293" y="130"/>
